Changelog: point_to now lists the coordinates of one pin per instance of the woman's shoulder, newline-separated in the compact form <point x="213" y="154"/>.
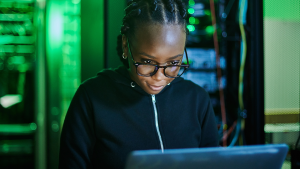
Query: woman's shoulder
<point x="189" y="90"/>
<point x="106" y="77"/>
<point x="190" y="86"/>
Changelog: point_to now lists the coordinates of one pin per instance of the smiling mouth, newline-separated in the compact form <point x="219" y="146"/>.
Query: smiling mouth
<point x="155" y="88"/>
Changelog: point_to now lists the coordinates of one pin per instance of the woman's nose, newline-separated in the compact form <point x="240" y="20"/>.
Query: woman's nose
<point x="159" y="75"/>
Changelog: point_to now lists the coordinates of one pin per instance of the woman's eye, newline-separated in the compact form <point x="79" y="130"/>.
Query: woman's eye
<point x="147" y="61"/>
<point x="174" y="63"/>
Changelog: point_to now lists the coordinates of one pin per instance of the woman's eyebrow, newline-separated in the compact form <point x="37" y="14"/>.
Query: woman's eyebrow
<point x="149" y="56"/>
<point x="153" y="57"/>
<point x="174" y="57"/>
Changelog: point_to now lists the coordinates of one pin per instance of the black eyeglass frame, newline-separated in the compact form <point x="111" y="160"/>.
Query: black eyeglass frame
<point x="136" y="64"/>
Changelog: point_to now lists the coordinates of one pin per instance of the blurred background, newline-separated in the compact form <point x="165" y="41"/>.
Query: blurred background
<point x="246" y="54"/>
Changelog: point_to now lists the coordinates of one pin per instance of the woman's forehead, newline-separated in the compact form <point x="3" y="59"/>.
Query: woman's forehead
<point x="158" y="34"/>
<point x="162" y="42"/>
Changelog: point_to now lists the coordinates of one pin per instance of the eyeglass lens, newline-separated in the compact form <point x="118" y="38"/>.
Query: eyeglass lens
<point x="149" y="70"/>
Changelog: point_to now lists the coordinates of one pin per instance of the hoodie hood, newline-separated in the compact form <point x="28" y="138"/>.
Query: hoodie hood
<point x="119" y="75"/>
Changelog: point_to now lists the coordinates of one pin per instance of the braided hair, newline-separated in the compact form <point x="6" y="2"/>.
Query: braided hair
<point x="139" y="12"/>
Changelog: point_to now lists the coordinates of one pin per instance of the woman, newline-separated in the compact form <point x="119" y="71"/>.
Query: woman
<point x="143" y="104"/>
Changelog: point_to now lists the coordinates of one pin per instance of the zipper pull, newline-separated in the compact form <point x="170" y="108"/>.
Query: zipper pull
<point x="153" y="98"/>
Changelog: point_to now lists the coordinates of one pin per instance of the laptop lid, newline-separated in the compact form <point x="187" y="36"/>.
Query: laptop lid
<point x="239" y="157"/>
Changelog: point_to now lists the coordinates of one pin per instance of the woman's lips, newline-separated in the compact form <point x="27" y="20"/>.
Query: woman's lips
<point x="155" y="88"/>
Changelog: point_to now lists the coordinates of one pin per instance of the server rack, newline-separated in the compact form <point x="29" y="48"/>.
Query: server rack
<point x="235" y="81"/>
<point x="18" y="72"/>
<point x="207" y="51"/>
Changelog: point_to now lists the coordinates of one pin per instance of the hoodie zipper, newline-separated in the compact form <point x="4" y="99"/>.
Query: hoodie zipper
<point x="156" y="123"/>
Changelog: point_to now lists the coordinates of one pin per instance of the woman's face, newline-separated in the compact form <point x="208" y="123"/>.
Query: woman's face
<point x="155" y="44"/>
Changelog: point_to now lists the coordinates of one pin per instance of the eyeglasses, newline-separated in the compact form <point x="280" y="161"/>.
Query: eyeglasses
<point x="170" y="71"/>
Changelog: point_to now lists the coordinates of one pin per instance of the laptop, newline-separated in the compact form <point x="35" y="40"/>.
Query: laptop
<point x="240" y="157"/>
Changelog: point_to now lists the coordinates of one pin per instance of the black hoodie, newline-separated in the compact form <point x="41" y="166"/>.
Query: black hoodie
<point x="110" y="116"/>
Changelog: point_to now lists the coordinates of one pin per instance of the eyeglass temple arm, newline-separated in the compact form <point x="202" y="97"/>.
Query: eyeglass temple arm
<point x="187" y="58"/>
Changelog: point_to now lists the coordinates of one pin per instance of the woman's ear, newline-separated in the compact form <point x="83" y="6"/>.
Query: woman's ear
<point x="124" y="45"/>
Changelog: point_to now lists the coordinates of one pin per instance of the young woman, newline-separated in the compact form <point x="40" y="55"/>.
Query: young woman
<point x="144" y="104"/>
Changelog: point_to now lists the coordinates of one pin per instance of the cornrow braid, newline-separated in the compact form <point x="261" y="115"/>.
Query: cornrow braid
<point x="153" y="5"/>
<point x="130" y="7"/>
<point x="182" y="8"/>
<point x="131" y="11"/>
<point x="170" y="5"/>
<point x="141" y="12"/>
<point x="130" y="2"/>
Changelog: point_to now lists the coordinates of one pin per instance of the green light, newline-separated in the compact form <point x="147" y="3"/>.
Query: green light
<point x="191" y="28"/>
<point x="210" y="29"/>
<point x="5" y="148"/>
<point x="18" y="59"/>
<point x="18" y="128"/>
<point x="55" y="27"/>
<point x="76" y="1"/>
<point x="193" y="20"/>
<point x="10" y="100"/>
<point x="207" y="12"/>
<point x="54" y="31"/>
<point x="191" y="3"/>
<point x="33" y="126"/>
<point x="191" y="11"/>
